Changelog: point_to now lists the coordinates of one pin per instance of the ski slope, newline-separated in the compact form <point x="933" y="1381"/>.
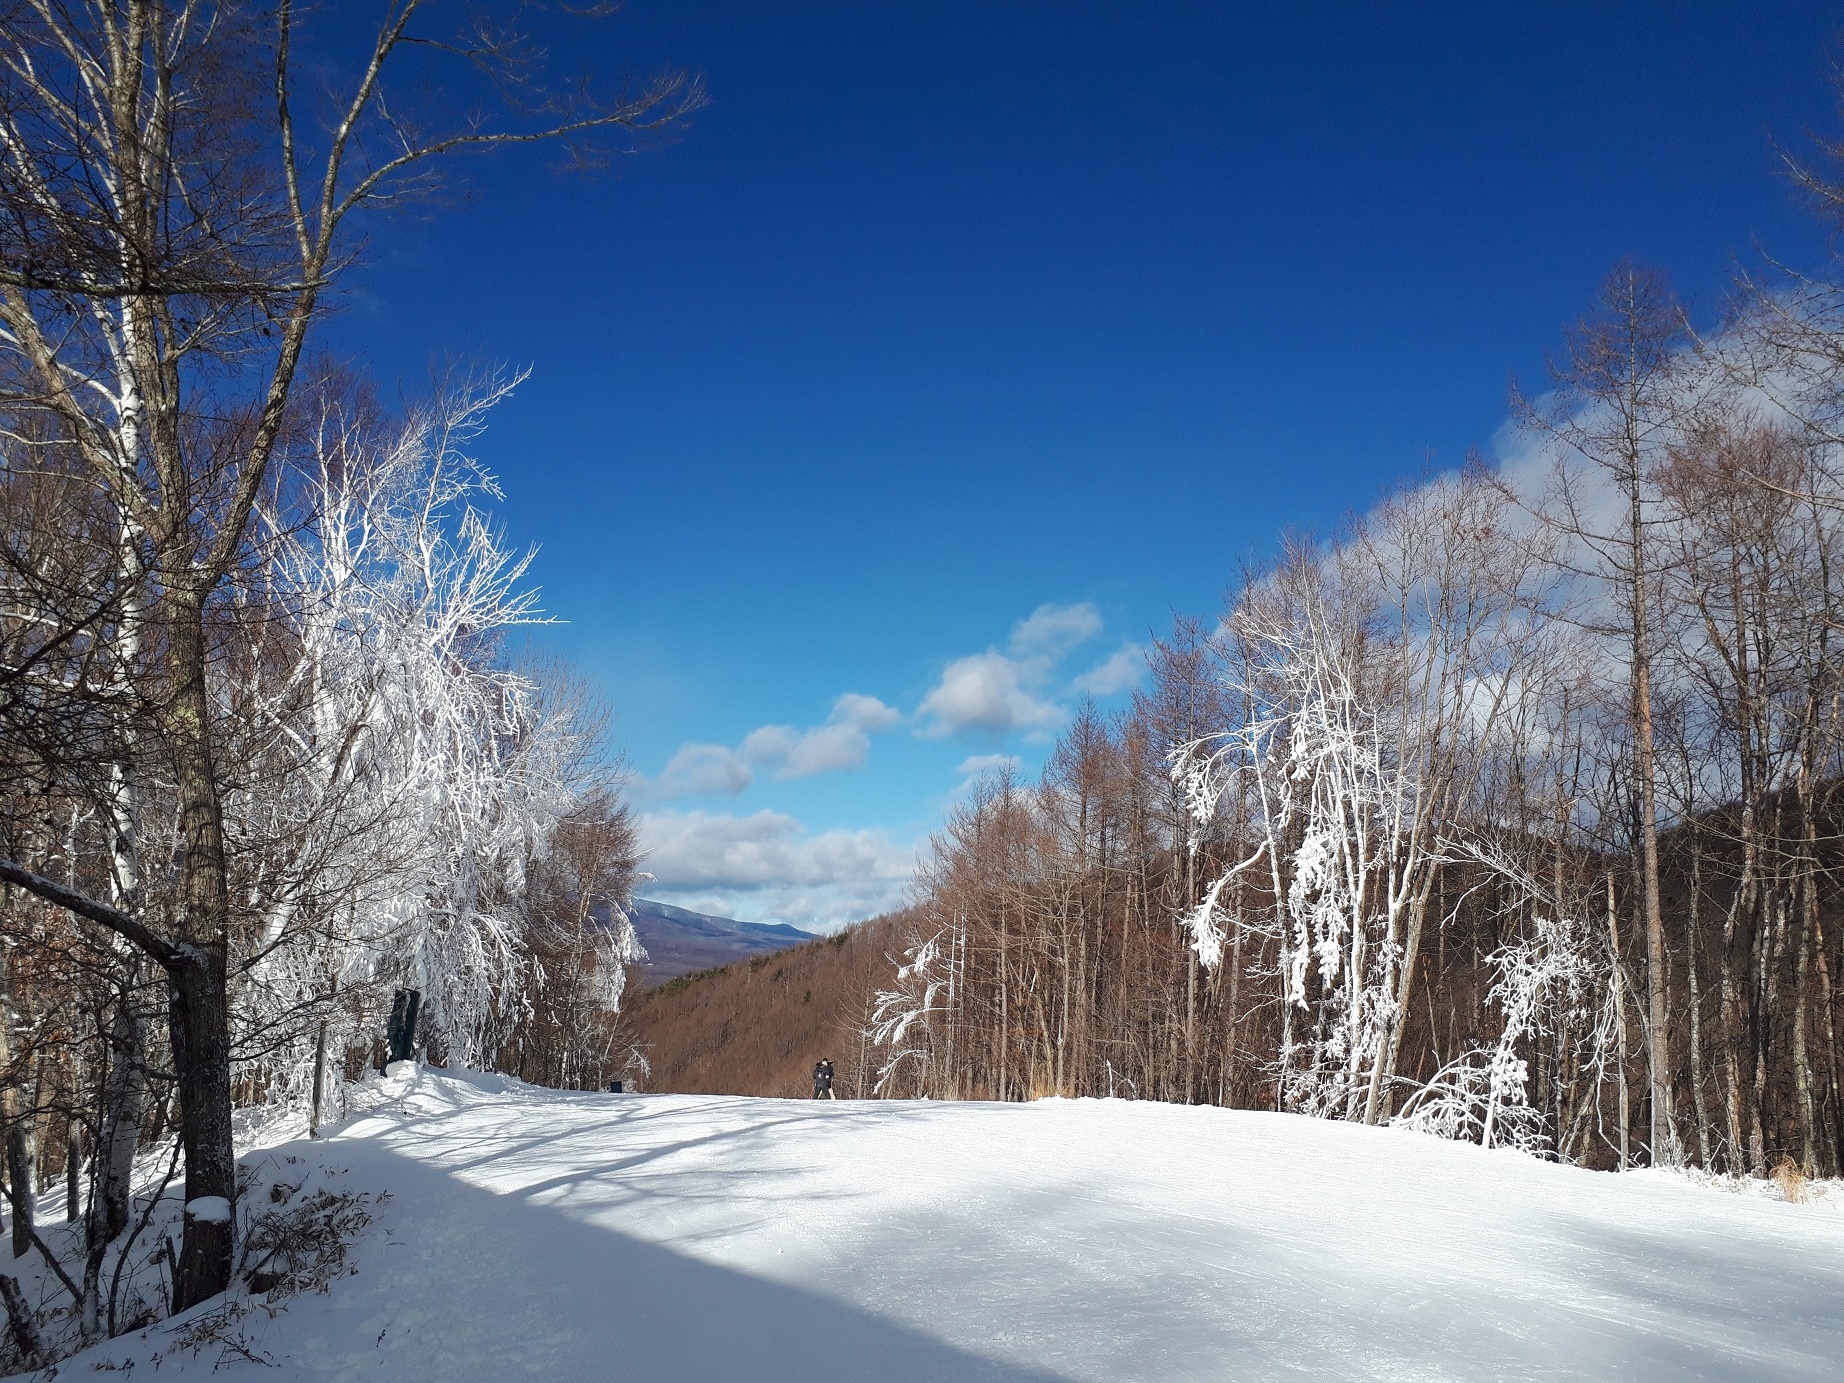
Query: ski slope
<point x="532" y="1234"/>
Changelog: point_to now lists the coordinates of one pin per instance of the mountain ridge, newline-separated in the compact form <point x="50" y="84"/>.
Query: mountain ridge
<point x="680" y="940"/>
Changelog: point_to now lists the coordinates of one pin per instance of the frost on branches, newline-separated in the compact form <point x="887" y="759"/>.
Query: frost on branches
<point x="403" y="805"/>
<point x="914" y="1022"/>
<point x="406" y="781"/>
<point x="901" y="1017"/>
<point x="1547" y="978"/>
<point x="1381" y="684"/>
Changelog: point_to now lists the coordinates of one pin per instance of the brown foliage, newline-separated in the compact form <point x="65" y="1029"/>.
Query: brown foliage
<point x="756" y="1027"/>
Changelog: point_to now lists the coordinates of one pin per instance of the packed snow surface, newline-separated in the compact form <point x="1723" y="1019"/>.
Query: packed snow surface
<point x="564" y="1236"/>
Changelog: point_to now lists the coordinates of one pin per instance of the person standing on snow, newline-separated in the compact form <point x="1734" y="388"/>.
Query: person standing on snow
<point x="822" y="1080"/>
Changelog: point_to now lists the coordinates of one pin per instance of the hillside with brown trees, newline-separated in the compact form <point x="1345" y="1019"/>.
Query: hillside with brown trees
<point x="757" y="1026"/>
<point x="1429" y="828"/>
<point x="1511" y="812"/>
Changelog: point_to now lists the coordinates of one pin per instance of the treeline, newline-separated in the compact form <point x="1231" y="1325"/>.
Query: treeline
<point x="1509" y="813"/>
<point x="757" y="1026"/>
<point x="264" y="754"/>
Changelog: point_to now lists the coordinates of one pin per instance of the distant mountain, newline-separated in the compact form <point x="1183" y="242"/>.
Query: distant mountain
<point x="679" y="941"/>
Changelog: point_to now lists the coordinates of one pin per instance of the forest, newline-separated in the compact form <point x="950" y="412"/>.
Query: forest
<point x="1510" y="812"/>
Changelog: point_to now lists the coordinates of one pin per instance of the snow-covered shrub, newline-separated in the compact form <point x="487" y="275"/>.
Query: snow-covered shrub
<point x="1544" y="979"/>
<point x="295" y="1239"/>
<point x="1477" y="1098"/>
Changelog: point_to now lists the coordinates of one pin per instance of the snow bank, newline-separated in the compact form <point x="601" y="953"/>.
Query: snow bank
<point x="692" y="1237"/>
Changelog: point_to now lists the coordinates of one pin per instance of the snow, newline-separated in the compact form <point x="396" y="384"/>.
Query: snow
<point x="212" y="1210"/>
<point x="533" y="1233"/>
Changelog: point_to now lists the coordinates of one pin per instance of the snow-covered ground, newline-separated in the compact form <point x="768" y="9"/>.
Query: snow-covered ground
<point x="564" y="1237"/>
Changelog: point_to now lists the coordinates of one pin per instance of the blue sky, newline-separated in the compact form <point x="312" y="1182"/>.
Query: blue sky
<point x="955" y="347"/>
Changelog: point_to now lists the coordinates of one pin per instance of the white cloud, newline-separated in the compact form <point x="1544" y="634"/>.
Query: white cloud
<point x="1000" y="693"/>
<point x="866" y="712"/>
<point x="791" y="753"/>
<point x="1120" y="671"/>
<point x="990" y="692"/>
<point x="1050" y="631"/>
<point x="842" y="743"/>
<point x="765" y="865"/>
<point x="783" y="751"/>
<point x="700" y="770"/>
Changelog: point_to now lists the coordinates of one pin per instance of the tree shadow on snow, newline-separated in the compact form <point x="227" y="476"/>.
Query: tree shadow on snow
<point x="500" y="1137"/>
<point x="470" y="1285"/>
<point x="1733" y="1302"/>
<point x="462" y="1140"/>
<point x="524" y="1284"/>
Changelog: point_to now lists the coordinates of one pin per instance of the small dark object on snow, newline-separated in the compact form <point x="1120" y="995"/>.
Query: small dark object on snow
<point x="400" y="1035"/>
<point x="822" y="1080"/>
<point x="614" y="1087"/>
<point x="263" y="1279"/>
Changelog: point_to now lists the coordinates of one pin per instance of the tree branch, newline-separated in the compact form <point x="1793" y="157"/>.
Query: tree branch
<point x="165" y="952"/>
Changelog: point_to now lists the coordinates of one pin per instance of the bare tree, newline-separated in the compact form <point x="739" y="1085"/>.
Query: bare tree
<point x="1619" y="395"/>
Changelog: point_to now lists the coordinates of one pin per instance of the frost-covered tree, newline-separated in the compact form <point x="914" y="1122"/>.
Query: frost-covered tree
<point x="407" y="806"/>
<point x="905" y="1018"/>
<point x="413" y="777"/>
<point x="1379" y="680"/>
<point x="172" y="231"/>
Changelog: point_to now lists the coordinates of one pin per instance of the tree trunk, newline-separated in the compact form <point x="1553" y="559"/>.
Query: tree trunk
<point x="1772" y="947"/>
<point x="1619" y="998"/>
<point x="124" y="1105"/>
<point x="1733" y="1026"/>
<point x="73" y="1173"/>
<point x="199" y="994"/>
<point x="16" y="1123"/>
<point x="20" y="1321"/>
<point x="1802" y="1064"/>
<point x="1696" y="1008"/>
<point x="1382" y="1095"/>
<point x="201" y="1054"/>
<point x="22" y="1176"/>
<point x="1663" y="1130"/>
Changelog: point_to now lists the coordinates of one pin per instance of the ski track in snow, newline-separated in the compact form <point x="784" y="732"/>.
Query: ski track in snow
<point x="589" y="1237"/>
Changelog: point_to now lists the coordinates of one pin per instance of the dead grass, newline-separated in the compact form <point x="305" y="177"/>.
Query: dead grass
<point x="294" y="1241"/>
<point x="300" y="1245"/>
<point x="1794" y="1186"/>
